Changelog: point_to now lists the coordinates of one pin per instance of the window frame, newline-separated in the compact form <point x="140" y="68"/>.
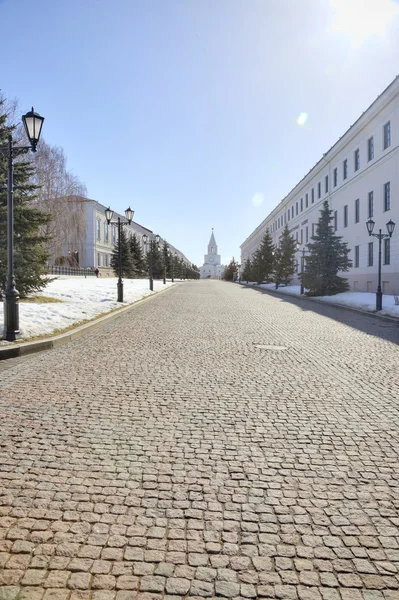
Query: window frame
<point x="386" y="139"/>
<point x="356" y="262"/>
<point x="357" y="159"/>
<point x="345" y="169"/>
<point x="387" y="197"/>
<point x="370" y="149"/>
<point x="357" y="210"/>
<point x="370" y="204"/>
<point x="370" y="254"/>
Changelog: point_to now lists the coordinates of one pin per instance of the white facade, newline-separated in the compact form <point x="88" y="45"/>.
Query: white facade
<point x="212" y="267"/>
<point x="359" y="178"/>
<point x="96" y="248"/>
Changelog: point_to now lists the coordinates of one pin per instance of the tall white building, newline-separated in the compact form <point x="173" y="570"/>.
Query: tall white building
<point x="212" y="267"/>
<point x="359" y="178"/>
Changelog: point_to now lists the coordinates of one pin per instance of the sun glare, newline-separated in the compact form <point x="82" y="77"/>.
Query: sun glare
<point x="362" y="19"/>
<point x="303" y="117"/>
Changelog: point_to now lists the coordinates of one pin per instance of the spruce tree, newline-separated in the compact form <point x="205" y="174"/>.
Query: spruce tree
<point x="154" y="256"/>
<point x="327" y="257"/>
<point x="230" y="271"/>
<point x="246" y="272"/>
<point x="284" y="259"/>
<point x="263" y="260"/>
<point x="137" y="254"/>
<point x="128" y="267"/>
<point x="31" y="255"/>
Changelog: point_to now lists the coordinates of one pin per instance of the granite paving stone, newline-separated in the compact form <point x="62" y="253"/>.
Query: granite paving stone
<point x="172" y="454"/>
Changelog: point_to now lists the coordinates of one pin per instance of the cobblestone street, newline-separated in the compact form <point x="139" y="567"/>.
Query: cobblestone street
<point x="174" y="453"/>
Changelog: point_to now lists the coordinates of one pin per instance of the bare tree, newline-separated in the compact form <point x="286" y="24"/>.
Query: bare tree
<point x="62" y="194"/>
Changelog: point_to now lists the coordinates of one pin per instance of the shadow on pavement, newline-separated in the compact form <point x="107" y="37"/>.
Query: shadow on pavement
<point x="381" y="327"/>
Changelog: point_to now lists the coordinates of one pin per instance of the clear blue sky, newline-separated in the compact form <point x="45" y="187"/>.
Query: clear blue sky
<point x="185" y="109"/>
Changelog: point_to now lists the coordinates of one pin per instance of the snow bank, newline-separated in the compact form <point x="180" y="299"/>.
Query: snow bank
<point x="81" y="298"/>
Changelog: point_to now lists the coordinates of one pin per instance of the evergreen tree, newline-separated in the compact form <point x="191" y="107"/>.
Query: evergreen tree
<point x="246" y="272"/>
<point x="263" y="260"/>
<point x="229" y="274"/>
<point x="30" y="251"/>
<point x="128" y="267"/>
<point x="327" y="256"/>
<point x="284" y="259"/>
<point x="137" y="254"/>
<point x="154" y="256"/>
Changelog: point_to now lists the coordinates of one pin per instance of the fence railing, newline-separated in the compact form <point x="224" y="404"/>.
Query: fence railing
<point x="59" y="270"/>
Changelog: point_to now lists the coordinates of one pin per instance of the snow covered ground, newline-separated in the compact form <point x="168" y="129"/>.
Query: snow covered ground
<point x="360" y="300"/>
<point x="81" y="298"/>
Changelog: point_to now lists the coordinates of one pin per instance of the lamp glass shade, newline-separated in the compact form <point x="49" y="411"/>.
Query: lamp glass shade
<point x="129" y="214"/>
<point x="108" y="214"/>
<point x="390" y="227"/>
<point x="157" y="238"/>
<point x="33" y="126"/>
<point x="145" y="238"/>
<point x="298" y="245"/>
<point x="370" y="226"/>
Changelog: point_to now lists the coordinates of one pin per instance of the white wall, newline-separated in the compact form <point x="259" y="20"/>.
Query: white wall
<point x="371" y="176"/>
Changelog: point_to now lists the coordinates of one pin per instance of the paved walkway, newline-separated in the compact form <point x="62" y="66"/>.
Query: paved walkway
<point x="175" y="453"/>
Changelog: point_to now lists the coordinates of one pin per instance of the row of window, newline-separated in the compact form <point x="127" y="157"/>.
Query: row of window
<point x="106" y="231"/>
<point x="370" y="206"/>
<point x="370" y="154"/>
<point x="304" y="202"/>
<point x="370" y="254"/>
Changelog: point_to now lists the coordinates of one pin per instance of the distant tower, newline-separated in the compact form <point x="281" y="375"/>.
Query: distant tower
<point x="212" y="267"/>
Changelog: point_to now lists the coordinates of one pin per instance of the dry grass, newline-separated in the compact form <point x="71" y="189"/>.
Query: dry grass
<point x="41" y="300"/>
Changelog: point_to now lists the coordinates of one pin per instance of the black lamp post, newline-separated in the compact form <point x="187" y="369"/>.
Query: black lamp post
<point x="33" y="125"/>
<point x="129" y="216"/>
<point x="150" y="253"/>
<point x="173" y="257"/>
<point x="298" y="245"/>
<point x="165" y="257"/>
<point x="380" y="236"/>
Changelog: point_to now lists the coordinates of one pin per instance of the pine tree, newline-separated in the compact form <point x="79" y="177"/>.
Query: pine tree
<point x="154" y="257"/>
<point x="327" y="257"/>
<point x="128" y="267"/>
<point x="137" y="254"/>
<point x="229" y="274"/>
<point x="263" y="260"/>
<point x="284" y="259"/>
<point x="30" y="251"/>
<point x="246" y="273"/>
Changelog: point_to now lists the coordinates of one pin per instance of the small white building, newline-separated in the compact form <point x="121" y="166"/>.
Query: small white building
<point x="212" y="267"/>
<point x="359" y="178"/>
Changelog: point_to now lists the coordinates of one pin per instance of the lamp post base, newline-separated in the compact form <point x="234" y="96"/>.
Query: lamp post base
<point x="11" y="317"/>
<point x="120" y="291"/>
<point x="378" y="302"/>
<point x="151" y="284"/>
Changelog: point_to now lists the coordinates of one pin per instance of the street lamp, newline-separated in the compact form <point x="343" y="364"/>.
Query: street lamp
<point x="151" y="257"/>
<point x="298" y="245"/>
<point x="165" y="255"/>
<point x="129" y="216"/>
<point x="173" y="257"/>
<point x="33" y="126"/>
<point x="380" y="236"/>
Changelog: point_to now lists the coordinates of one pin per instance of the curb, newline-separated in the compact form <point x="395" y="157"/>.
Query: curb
<point x="24" y="348"/>
<point x="310" y="299"/>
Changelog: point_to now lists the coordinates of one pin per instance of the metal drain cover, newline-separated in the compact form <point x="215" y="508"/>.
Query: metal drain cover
<point x="265" y="347"/>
